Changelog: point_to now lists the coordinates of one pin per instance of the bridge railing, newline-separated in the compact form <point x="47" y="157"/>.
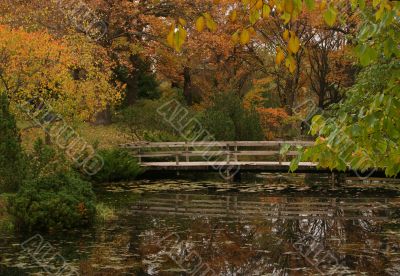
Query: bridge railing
<point x="229" y="151"/>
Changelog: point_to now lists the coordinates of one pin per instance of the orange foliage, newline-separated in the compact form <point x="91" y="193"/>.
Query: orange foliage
<point x="272" y="120"/>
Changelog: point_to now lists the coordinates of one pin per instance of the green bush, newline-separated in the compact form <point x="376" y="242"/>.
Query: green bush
<point x="228" y="120"/>
<point x="119" y="165"/>
<point x="12" y="165"/>
<point x="143" y="117"/>
<point x="58" y="201"/>
<point x="46" y="160"/>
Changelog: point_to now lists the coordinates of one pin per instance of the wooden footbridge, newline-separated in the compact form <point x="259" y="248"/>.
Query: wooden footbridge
<point x="267" y="156"/>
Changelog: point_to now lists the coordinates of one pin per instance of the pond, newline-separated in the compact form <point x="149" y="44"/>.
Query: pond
<point x="269" y="224"/>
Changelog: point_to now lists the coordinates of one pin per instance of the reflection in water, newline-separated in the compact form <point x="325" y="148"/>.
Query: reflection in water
<point x="209" y="228"/>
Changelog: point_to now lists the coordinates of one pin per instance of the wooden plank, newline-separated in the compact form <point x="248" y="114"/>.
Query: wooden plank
<point x="214" y="144"/>
<point x="212" y="153"/>
<point x="222" y="166"/>
<point x="182" y="153"/>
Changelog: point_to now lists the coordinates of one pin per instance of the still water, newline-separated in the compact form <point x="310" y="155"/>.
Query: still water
<point x="266" y="225"/>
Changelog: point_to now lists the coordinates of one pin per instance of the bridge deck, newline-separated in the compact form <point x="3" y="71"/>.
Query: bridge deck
<point x="212" y="166"/>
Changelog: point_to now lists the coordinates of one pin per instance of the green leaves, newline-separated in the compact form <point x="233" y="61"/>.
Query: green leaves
<point x="330" y="15"/>
<point x="310" y="4"/>
<point x="366" y="54"/>
<point x="284" y="150"/>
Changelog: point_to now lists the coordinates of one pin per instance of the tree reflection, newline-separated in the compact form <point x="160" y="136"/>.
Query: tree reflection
<point x="256" y="244"/>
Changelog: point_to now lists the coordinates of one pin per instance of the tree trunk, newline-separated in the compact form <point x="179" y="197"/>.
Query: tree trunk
<point x="187" y="86"/>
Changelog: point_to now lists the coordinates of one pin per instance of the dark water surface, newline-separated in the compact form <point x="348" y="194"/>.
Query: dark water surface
<point x="267" y="225"/>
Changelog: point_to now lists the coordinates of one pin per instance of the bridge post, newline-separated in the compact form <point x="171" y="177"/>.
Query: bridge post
<point x="187" y="152"/>
<point x="236" y="151"/>
<point x="139" y="156"/>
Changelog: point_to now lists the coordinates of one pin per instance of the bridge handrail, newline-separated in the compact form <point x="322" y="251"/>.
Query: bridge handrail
<point x="230" y="149"/>
<point x="144" y="144"/>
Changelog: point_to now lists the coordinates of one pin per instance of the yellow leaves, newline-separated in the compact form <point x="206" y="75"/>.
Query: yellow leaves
<point x="200" y="24"/>
<point x="176" y="37"/>
<point x="322" y="5"/>
<point x="245" y="37"/>
<point x="259" y="4"/>
<point x="180" y="38"/>
<point x="280" y="56"/>
<point x="290" y="63"/>
<point x="293" y="48"/>
<point x="234" y="15"/>
<point x="210" y="23"/>
<point x="235" y="38"/>
<point x="286" y="35"/>
<point x="266" y="11"/>
<point x="294" y="43"/>
<point x="375" y="3"/>
<point x="171" y="36"/>
<point x="72" y="74"/>
<point x="182" y="21"/>
<point x="206" y="21"/>
<point x="383" y="5"/>
<point x="288" y="6"/>
<point x="330" y="15"/>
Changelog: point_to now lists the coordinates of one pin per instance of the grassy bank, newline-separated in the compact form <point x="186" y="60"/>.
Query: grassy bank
<point x="104" y="136"/>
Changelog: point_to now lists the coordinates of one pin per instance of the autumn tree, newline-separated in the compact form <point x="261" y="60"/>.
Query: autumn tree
<point x="11" y="156"/>
<point x="64" y="73"/>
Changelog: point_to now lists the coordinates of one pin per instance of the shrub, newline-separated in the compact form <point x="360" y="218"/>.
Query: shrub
<point x="219" y="125"/>
<point x="119" y="165"/>
<point x="11" y="157"/>
<point x="6" y="223"/>
<point x="58" y="201"/>
<point x="228" y="120"/>
<point x="142" y="118"/>
<point x="46" y="160"/>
